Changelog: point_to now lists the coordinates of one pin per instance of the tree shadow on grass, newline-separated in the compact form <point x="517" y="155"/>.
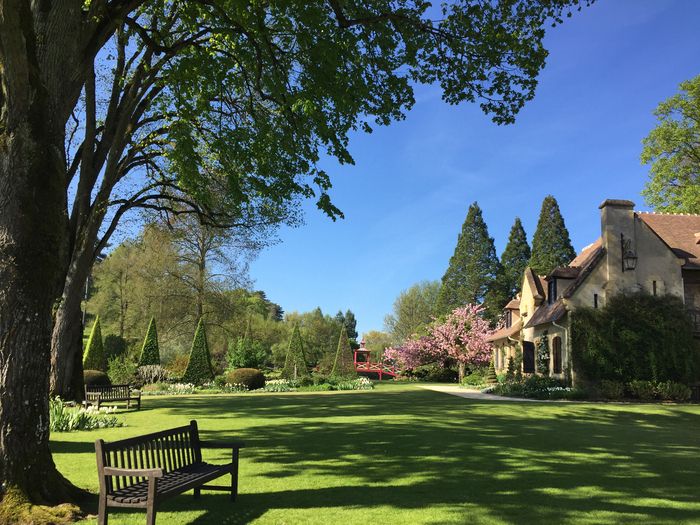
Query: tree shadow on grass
<point x="517" y="462"/>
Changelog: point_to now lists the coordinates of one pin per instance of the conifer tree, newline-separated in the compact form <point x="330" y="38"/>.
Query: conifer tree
<point x="150" y="353"/>
<point x="199" y="368"/>
<point x="514" y="260"/>
<point x="472" y="267"/>
<point x="551" y="245"/>
<point x="295" y="365"/>
<point x="343" y="365"/>
<point x="95" y="357"/>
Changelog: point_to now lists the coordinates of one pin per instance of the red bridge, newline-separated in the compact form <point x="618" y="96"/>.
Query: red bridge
<point x="365" y="365"/>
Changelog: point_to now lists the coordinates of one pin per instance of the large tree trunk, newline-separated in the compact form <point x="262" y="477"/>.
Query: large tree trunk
<point x="67" y="337"/>
<point x="35" y="54"/>
<point x="33" y="226"/>
<point x="67" y="348"/>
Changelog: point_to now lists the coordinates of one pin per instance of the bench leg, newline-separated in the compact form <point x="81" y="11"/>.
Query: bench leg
<point x="102" y="512"/>
<point x="234" y="476"/>
<point x="151" y="514"/>
<point x="197" y="493"/>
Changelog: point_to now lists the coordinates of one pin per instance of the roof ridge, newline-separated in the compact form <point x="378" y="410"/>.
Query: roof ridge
<point x="668" y="213"/>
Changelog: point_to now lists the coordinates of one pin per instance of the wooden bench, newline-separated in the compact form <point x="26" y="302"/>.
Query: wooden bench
<point x="143" y="470"/>
<point x="99" y="394"/>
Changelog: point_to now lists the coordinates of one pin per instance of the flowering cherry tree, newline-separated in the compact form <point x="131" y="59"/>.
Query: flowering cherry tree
<point x="461" y="337"/>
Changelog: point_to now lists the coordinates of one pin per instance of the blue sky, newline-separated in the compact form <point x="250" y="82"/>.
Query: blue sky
<point x="408" y="193"/>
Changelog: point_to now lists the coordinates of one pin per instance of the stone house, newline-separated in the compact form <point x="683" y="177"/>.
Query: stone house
<point x="637" y="251"/>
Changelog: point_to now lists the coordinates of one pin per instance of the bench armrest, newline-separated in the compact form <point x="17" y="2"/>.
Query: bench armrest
<point x="222" y="444"/>
<point x="135" y="472"/>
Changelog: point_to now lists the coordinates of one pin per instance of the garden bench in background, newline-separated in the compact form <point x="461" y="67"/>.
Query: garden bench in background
<point x="143" y="470"/>
<point x="100" y="394"/>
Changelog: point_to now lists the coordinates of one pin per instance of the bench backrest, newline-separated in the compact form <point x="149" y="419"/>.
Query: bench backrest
<point x="109" y="392"/>
<point x="168" y="449"/>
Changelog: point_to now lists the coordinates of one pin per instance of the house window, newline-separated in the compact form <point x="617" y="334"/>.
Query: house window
<point x="556" y="357"/>
<point x="653" y="288"/>
<point x="595" y="300"/>
<point x="509" y="318"/>
<point x="552" y="291"/>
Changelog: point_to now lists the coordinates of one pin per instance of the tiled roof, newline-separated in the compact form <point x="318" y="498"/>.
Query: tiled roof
<point x="536" y="283"/>
<point x="504" y="333"/>
<point x="514" y="304"/>
<point x="583" y="258"/>
<point x="580" y="268"/>
<point x="547" y="313"/>
<point x="564" y="272"/>
<point x="679" y="234"/>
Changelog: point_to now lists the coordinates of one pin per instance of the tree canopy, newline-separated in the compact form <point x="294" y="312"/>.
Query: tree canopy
<point x="551" y="245"/>
<point x="514" y="260"/>
<point x="672" y="151"/>
<point x="472" y="268"/>
<point x="412" y="310"/>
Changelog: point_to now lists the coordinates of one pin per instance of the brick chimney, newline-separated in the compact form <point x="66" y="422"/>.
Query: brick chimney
<point x="617" y="225"/>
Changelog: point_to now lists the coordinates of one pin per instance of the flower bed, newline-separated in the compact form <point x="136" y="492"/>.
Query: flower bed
<point x="66" y="418"/>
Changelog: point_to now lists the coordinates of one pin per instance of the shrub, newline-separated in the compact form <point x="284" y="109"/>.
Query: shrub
<point x="252" y="378"/>
<point x="64" y="418"/>
<point x="121" y="370"/>
<point x="343" y="365"/>
<point x="95" y="378"/>
<point x="152" y="374"/>
<point x="435" y="373"/>
<point x="635" y="337"/>
<point x="319" y="379"/>
<point x="491" y="378"/>
<point x="477" y="377"/>
<point x="670" y="391"/>
<point x="199" y="369"/>
<point x="173" y="389"/>
<point x="114" y="346"/>
<point x="176" y="368"/>
<point x="94" y="357"/>
<point x="150" y="354"/>
<point x="537" y="387"/>
<point x="642" y="390"/>
<point x="612" y="389"/>
<point x="295" y="364"/>
<point x="245" y="353"/>
<point x="510" y="371"/>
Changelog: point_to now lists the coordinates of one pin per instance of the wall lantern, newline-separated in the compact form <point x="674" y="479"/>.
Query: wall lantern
<point x="629" y="257"/>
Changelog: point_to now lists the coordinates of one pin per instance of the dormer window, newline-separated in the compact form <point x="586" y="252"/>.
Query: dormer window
<point x="509" y="318"/>
<point x="552" y="291"/>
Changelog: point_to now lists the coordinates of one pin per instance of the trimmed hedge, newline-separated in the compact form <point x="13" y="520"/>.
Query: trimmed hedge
<point x="95" y="378"/>
<point x="295" y="365"/>
<point x="95" y="357"/>
<point x="635" y="337"/>
<point x="343" y="365"/>
<point x="251" y="378"/>
<point x="199" y="370"/>
<point x="150" y="353"/>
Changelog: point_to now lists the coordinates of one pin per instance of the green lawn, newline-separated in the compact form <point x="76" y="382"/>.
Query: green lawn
<point x="401" y="454"/>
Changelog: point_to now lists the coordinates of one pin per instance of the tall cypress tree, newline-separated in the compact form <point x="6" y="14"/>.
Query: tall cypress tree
<point x="514" y="260"/>
<point x="150" y="353"/>
<point x="551" y="245"/>
<point x="472" y="267"/>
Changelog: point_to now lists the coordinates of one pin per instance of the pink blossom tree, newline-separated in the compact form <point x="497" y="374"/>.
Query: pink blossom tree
<point x="461" y="337"/>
